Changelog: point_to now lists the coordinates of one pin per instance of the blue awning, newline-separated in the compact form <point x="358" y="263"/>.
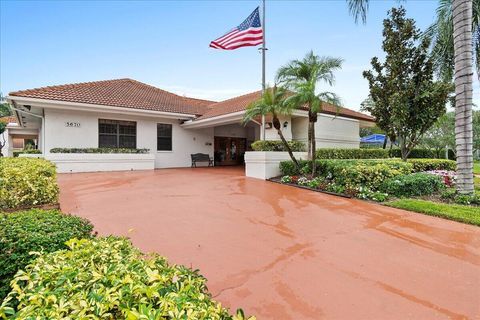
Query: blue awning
<point x="373" y="138"/>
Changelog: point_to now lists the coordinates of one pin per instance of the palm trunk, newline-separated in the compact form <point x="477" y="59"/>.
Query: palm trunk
<point x="462" y="35"/>
<point x="312" y="118"/>
<point x="276" y="125"/>
<point x="309" y="142"/>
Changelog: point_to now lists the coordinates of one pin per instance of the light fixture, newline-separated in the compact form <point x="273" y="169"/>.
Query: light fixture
<point x="285" y="124"/>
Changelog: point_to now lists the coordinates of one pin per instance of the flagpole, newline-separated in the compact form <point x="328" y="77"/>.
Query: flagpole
<point x="263" y="66"/>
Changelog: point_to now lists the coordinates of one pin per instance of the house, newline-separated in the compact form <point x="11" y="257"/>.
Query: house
<point x="125" y="113"/>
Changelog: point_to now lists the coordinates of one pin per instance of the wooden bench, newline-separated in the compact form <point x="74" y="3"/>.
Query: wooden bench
<point x="201" y="157"/>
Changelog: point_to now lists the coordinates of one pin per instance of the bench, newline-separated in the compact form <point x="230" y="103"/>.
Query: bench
<point x="201" y="157"/>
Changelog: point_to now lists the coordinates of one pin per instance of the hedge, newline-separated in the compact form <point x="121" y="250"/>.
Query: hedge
<point x="414" y="184"/>
<point x="28" y="151"/>
<point x="414" y="154"/>
<point x="26" y="182"/>
<point x="98" y="150"/>
<point x="31" y="231"/>
<point x="107" y="278"/>
<point x="334" y="153"/>
<point x="271" y="145"/>
<point x="420" y="165"/>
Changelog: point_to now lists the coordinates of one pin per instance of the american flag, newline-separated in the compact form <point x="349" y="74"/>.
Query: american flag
<point x="248" y="33"/>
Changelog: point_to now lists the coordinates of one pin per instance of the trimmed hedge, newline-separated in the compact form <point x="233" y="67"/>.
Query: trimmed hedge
<point x="414" y="154"/>
<point x="334" y="153"/>
<point x="98" y="150"/>
<point x="31" y="231"/>
<point x="420" y="165"/>
<point x="108" y="278"/>
<point x="27" y="182"/>
<point x="411" y="185"/>
<point x="28" y="151"/>
<point x="271" y="145"/>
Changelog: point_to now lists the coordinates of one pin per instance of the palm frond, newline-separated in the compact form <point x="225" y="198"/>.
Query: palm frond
<point x="358" y="9"/>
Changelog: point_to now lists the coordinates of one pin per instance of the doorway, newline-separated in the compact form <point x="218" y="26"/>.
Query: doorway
<point x="229" y="151"/>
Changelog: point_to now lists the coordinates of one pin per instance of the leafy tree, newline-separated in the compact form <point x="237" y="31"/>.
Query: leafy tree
<point x="272" y="102"/>
<point x="406" y="99"/>
<point x="301" y="77"/>
<point x="441" y="134"/>
<point x="459" y="39"/>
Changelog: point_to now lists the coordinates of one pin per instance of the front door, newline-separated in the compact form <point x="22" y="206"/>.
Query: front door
<point x="229" y="151"/>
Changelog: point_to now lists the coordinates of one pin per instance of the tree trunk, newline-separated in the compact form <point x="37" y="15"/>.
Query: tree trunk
<point x="385" y="142"/>
<point x="462" y="35"/>
<point x="312" y="118"/>
<point x="276" y="125"/>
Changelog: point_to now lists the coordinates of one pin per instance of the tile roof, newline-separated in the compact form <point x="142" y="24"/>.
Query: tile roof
<point x="125" y="93"/>
<point x="240" y="103"/>
<point x="128" y="93"/>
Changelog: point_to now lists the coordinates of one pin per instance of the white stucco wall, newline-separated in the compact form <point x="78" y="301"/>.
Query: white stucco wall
<point x="184" y="141"/>
<point x="231" y="130"/>
<point x="330" y="131"/>
<point x="271" y="134"/>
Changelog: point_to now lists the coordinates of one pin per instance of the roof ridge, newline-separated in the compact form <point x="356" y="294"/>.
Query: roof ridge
<point x="67" y="85"/>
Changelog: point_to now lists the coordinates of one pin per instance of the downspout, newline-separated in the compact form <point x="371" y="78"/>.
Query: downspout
<point x="42" y="117"/>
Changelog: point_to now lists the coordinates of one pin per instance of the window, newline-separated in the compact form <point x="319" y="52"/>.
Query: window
<point x="164" y="137"/>
<point x="117" y="134"/>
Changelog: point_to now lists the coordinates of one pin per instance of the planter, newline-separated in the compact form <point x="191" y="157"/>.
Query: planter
<point x="343" y="195"/>
<point x="93" y="162"/>
<point x="266" y="164"/>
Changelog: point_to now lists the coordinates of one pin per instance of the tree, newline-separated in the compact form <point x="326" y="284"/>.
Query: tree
<point x="406" y="99"/>
<point x="272" y="102"/>
<point x="301" y="77"/>
<point x="441" y="135"/>
<point x="4" y="111"/>
<point x="464" y="14"/>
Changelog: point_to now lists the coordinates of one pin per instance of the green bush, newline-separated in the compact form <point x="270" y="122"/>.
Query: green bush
<point x="410" y="185"/>
<point x="25" y="182"/>
<point x="414" y="154"/>
<point x="420" y="165"/>
<point x="107" y="278"/>
<point x="271" y="145"/>
<point x="35" y="230"/>
<point x="26" y="151"/>
<point x="334" y="153"/>
<point x="98" y="150"/>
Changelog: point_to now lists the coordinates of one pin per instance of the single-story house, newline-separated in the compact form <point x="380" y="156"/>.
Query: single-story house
<point x="125" y="113"/>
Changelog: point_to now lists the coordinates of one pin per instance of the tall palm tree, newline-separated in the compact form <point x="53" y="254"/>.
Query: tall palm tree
<point x="272" y="102"/>
<point x="452" y="49"/>
<point x="301" y="77"/>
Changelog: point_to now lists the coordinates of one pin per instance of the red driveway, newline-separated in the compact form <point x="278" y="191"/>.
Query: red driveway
<point x="284" y="253"/>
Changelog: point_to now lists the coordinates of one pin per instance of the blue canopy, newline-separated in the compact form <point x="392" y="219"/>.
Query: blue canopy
<point x="373" y="138"/>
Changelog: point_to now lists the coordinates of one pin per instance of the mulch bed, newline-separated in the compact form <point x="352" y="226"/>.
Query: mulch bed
<point x="277" y="180"/>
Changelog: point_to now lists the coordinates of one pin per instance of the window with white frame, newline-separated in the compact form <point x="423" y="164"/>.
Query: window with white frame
<point x="164" y="137"/>
<point x="117" y="134"/>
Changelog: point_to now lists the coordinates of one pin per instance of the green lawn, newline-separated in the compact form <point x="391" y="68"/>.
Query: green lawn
<point x="476" y="167"/>
<point x="466" y="214"/>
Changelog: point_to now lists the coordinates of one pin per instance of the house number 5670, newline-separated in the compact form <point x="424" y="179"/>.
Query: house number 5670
<point x="72" y="124"/>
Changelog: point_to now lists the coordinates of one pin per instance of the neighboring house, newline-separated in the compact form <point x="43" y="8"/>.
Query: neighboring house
<point x="18" y="137"/>
<point x="127" y="113"/>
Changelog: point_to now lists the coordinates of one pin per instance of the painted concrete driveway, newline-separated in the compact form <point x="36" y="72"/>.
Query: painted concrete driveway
<point x="284" y="253"/>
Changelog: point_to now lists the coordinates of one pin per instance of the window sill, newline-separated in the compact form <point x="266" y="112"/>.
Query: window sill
<point x="164" y="151"/>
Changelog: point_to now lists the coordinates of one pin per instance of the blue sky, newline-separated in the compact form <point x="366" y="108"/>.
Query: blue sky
<point x="165" y="43"/>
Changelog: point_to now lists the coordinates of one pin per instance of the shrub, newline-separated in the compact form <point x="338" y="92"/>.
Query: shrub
<point x="288" y="168"/>
<point x="26" y="151"/>
<point x="272" y="145"/>
<point x="34" y="230"/>
<point x="415" y="184"/>
<point x="414" y="154"/>
<point x="26" y="182"/>
<point x="98" y="150"/>
<point x="420" y="165"/>
<point x="107" y="278"/>
<point x="334" y="153"/>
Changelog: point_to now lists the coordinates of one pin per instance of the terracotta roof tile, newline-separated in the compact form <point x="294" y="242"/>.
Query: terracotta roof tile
<point x="240" y="103"/>
<point x="8" y="119"/>
<point x="125" y="93"/>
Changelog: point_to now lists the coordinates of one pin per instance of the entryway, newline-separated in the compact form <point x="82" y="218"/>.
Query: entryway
<point x="229" y="151"/>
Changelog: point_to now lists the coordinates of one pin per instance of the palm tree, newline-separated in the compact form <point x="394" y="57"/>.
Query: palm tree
<point x="272" y="102"/>
<point x="301" y="77"/>
<point x="452" y="49"/>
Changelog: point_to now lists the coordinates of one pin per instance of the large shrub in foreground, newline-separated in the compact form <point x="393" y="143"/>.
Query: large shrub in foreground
<point x="31" y="231"/>
<point x="108" y="278"/>
<point x="415" y="184"/>
<point x="27" y="182"/>
<point x="420" y="165"/>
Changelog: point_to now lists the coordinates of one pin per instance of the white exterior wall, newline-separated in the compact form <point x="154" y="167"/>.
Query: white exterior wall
<point x="231" y="130"/>
<point x="4" y="137"/>
<point x="271" y="134"/>
<point x="330" y="131"/>
<point x="184" y="141"/>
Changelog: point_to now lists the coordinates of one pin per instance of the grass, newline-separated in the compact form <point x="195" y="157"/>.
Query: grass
<point x="466" y="214"/>
<point x="476" y="167"/>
